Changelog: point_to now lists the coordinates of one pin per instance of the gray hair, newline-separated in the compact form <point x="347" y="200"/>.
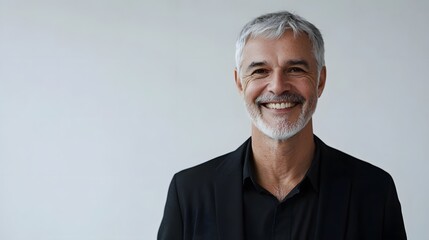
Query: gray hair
<point x="274" y="25"/>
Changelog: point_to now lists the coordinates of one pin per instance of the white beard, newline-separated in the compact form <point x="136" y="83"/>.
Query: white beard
<point x="283" y="128"/>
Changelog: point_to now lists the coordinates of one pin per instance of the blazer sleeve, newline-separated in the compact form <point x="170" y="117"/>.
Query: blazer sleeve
<point x="393" y="225"/>
<point x="172" y="223"/>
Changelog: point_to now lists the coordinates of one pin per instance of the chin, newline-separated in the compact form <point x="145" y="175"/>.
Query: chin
<point x="281" y="131"/>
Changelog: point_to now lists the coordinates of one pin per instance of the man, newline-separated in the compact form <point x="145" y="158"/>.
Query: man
<point x="283" y="182"/>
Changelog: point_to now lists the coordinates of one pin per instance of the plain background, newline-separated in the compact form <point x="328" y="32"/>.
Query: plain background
<point x="101" y="102"/>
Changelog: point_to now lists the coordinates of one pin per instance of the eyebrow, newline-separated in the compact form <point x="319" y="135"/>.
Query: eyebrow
<point x="256" y="64"/>
<point x="298" y="62"/>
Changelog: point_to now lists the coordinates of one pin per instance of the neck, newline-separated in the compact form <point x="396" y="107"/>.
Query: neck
<point x="281" y="165"/>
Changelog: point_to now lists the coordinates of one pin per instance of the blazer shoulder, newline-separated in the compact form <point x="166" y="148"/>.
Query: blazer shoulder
<point x="359" y="170"/>
<point x="201" y="171"/>
<point x="207" y="171"/>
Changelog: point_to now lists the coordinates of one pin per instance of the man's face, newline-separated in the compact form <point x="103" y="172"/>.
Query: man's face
<point x="280" y="85"/>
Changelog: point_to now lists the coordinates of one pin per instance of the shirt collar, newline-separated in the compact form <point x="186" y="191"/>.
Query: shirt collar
<point x="312" y="174"/>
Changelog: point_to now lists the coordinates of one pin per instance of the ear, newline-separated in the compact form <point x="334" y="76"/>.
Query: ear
<point x="238" y="81"/>
<point x="322" y="81"/>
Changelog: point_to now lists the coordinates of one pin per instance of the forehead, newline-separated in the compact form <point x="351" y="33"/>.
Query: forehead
<point x="288" y="46"/>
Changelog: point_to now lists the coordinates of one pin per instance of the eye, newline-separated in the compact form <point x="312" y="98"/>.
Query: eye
<point x="295" y="70"/>
<point x="260" y="71"/>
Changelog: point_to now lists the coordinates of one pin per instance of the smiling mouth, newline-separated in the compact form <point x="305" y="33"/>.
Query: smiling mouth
<point x="280" y="105"/>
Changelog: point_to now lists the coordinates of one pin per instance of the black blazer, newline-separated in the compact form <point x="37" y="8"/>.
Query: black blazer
<point x="356" y="200"/>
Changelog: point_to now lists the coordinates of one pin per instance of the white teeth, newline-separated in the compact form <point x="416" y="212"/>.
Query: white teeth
<point x="280" y="105"/>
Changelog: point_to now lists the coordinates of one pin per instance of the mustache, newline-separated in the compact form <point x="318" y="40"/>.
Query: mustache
<point x="284" y="97"/>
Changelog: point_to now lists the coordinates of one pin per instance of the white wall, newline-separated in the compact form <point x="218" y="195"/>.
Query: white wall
<point x="102" y="101"/>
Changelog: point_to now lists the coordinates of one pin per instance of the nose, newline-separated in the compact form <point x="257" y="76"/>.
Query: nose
<point x="278" y="83"/>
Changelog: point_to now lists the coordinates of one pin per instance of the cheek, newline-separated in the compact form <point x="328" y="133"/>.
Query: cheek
<point x="253" y="90"/>
<point x="307" y="86"/>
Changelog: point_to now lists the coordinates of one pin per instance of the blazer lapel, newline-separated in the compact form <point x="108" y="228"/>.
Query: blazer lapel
<point x="334" y="197"/>
<point x="229" y="196"/>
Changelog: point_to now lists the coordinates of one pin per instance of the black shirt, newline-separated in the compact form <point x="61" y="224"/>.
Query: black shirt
<point x="268" y="219"/>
